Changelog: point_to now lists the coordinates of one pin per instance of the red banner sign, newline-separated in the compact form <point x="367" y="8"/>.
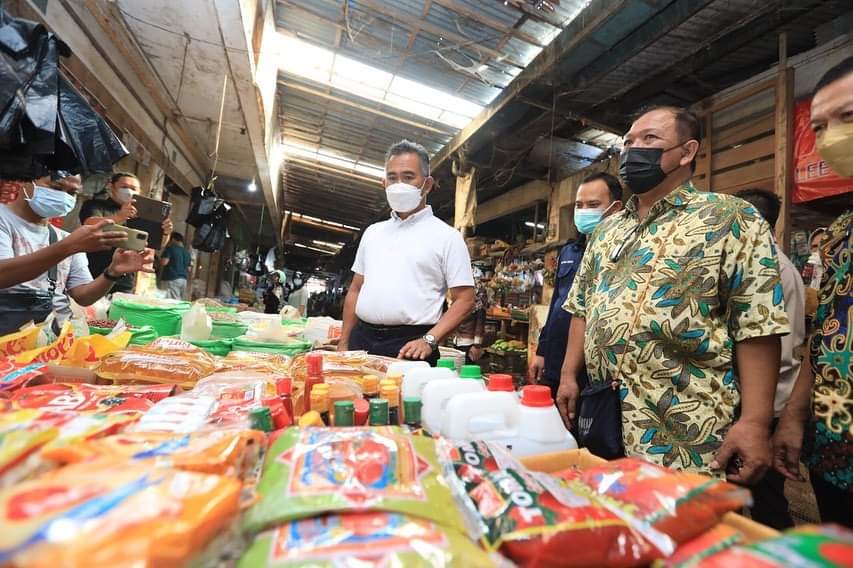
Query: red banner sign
<point x="813" y="177"/>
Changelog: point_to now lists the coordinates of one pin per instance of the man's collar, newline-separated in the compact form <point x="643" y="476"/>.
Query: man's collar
<point x="422" y="214"/>
<point x="678" y="197"/>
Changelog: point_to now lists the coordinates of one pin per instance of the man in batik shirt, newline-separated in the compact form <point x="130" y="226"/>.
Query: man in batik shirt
<point x="826" y="392"/>
<point x="672" y="291"/>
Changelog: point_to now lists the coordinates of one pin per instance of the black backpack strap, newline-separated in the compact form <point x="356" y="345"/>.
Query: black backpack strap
<point x="53" y="272"/>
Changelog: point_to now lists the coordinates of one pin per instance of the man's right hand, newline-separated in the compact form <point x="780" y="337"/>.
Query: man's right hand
<point x="534" y="372"/>
<point x="343" y="345"/>
<point x="90" y="238"/>
<point x="567" y="399"/>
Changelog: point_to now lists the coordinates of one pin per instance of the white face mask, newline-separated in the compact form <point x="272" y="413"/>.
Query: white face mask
<point x="123" y="195"/>
<point x="403" y="197"/>
<point x="48" y="203"/>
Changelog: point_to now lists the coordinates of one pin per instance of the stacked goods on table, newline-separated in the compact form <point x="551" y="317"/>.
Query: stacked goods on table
<point x="189" y="459"/>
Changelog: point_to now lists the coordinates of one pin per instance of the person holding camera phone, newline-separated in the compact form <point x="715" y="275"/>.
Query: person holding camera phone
<point x="42" y="266"/>
<point x="115" y="203"/>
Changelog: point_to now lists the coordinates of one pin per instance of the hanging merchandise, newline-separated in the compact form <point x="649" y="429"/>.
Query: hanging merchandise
<point x="45" y="124"/>
<point x="211" y="235"/>
<point x="202" y="205"/>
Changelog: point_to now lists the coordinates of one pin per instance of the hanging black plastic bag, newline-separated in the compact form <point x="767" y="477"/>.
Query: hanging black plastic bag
<point x="600" y="420"/>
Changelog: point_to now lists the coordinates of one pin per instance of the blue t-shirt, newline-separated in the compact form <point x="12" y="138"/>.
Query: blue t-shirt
<point x="179" y="262"/>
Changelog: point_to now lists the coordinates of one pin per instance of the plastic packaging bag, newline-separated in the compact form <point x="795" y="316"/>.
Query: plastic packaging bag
<point x="52" y="352"/>
<point x="679" y="504"/>
<point x="692" y="553"/>
<point x="163" y="315"/>
<point x="165" y="360"/>
<point x="19" y="341"/>
<point x="14" y="376"/>
<point x="196" y="325"/>
<point x="363" y="539"/>
<point x="114" y="513"/>
<point x="319" y="470"/>
<point x="61" y="397"/>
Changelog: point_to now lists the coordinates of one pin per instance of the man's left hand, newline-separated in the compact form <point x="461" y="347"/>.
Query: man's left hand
<point x="751" y="443"/>
<point x="416" y="350"/>
<point x="127" y="261"/>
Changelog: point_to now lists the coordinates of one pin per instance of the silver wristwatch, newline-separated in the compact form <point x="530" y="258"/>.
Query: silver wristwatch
<point x="430" y="340"/>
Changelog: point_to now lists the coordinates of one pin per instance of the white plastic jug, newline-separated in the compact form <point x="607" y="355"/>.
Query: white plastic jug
<point x="402" y="367"/>
<point x="417" y="378"/>
<point x="527" y="427"/>
<point x="196" y="324"/>
<point x="437" y="393"/>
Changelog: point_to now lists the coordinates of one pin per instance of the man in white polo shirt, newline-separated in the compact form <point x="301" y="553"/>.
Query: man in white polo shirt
<point x="405" y="267"/>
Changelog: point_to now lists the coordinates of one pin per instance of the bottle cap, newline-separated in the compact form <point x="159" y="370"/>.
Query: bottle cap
<point x="501" y="383"/>
<point x="536" y="395"/>
<point x="314" y="364"/>
<point x="378" y="412"/>
<point x="362" y="411"/>
<point x="261" y="419"/>
<point x="396" y="377"/>
<point x="391" y="394"/>
<point x="370" y="384"/>
<point x="412" y="409"/>
<point x="447" y="363"/>
<point x="387" y="383"/>
<point x="470" y="372"/>
<point x="344" y="413"/>
<point x="319" y="400"/>
<point x="284" y="387"/>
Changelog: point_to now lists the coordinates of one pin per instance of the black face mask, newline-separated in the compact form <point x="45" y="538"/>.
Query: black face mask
<point x="641" y="170"/>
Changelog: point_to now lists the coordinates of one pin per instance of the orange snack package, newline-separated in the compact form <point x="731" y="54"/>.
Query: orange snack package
<point x="165" y="360"/>
<point x="114" y="513"/>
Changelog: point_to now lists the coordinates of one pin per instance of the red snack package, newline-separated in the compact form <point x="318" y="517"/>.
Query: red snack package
<point x="691" y="553"/>
<point x="679" y="504"/>
<point x="62" y="397"/>
<point x="538" y="522"/>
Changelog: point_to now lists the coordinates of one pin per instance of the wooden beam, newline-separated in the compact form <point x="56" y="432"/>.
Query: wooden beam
<point x="329" y="168"/>
<point x="361" y="107"/>
<point x="784" y="157"/>
<point x="479" y="16"/>
<point x="578" y="31"/>
<point x="397" y="15"/>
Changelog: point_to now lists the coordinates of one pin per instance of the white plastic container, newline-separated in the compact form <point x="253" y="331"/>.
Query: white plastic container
<point x="436" y="395"/>
<point x="527" y="427"/>
<point x="417" y="378"/>
<point x="402" y="367"/>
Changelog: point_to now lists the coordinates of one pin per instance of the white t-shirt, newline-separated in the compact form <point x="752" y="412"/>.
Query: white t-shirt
<point x="299" y="299"/>
<point x="795" y="306"/>
<point x="408" y="266"/>
<point x="19" y="238"/>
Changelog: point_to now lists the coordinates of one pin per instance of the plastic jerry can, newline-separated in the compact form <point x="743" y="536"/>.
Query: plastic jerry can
<point x="437" y="393"/>
<point x="403" y="366"/>
<point x="416" y="379"/>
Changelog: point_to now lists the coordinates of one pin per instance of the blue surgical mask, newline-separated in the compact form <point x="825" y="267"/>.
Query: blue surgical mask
<point x="48" y="203"/>
<point x="586" y="220"/>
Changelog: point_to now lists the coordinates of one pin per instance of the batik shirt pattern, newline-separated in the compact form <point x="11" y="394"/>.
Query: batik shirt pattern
<point x="831" y="431"/>
<point x="665" y="299"/>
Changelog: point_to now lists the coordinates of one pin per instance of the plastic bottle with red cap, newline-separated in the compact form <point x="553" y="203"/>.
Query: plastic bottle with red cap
<point x="313" y="376"/>
<point x="500" y="383"/>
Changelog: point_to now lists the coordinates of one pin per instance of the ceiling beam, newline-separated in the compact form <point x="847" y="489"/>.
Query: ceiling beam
<point x="482" y="18"/>
<point x="362" y="107"/>
<point x="578" y="31"/>
<point x="330" y="168"/>
<point x="397" y="15"/>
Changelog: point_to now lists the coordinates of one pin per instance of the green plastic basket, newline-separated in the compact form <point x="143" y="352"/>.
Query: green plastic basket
<point x="165" y="321"/>
<point x="290" y="349"/>
<point x="228" y="330"/>
<point x="139" y="335"/>
<point x="221" y="347"/>
<point x="221" y="309"/>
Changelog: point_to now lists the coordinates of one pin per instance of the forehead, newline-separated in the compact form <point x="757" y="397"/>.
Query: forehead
<point x="833" y="97"/>
<point x="407" y="162"/>
<point x="127" y="181"/>
<point x="593" y="190"/>
<point x="660" y="121"/>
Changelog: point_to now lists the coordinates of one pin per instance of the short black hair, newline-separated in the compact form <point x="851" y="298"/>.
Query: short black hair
<point x="409" y="147"/>
<point x="177" y="237"/>
<point x="118" y="175"/>
<point x="839" y="71"/>
<point x="767" y="203"/>
<point x="613" y="185"/>
<point x="688" y="124"/>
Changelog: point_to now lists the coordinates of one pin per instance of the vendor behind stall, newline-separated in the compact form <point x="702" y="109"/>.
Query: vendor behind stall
<point x="42" y="266"/>
<point x="115" y="202"/>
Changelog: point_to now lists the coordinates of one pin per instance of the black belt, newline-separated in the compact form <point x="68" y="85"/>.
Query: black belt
<point x="396" y="328"/>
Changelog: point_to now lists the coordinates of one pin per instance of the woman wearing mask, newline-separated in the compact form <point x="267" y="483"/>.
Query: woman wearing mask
<point x="276" y="293"/>
<point x="115" y="203"/>
<point x="41" y="266"/>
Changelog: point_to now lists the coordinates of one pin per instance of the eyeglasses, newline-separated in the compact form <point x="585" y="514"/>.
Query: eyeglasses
<point x="629" y="239"/>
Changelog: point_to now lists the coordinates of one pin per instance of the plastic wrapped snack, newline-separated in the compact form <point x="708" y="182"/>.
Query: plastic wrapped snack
<point x="692" y="553"/>
<point x="469" y="462"/>
<point x="114" y="513"/>
<point x="62" y="397"/>
<point x="680" y="504"/>
<point x="827" y="546"/>
<point x="319" y="470"/>
<point x="359" y="540"/>
<point x="14" y="376"/>
<point x="274" y="363"/>
<point x="537" y="521"/>
<point x="18" y="342"/>
<point x="165" y="360"/>
<point x="233" y="453"/>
